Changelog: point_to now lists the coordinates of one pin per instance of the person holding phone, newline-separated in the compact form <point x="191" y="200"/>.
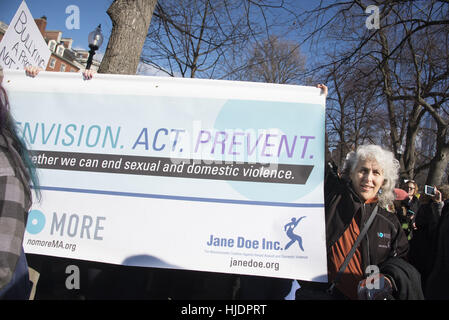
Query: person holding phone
<point x="422" y="245"/>
<point x="437" y="281"/>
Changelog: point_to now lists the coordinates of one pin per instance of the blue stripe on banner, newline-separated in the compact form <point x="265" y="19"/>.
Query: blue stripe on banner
<point x="161" y="196"/>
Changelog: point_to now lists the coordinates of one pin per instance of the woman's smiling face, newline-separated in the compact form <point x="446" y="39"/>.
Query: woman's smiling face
<point x="367" y="179"/>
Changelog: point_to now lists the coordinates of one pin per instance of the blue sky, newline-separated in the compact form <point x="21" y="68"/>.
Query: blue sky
<point x="92" y="13"/>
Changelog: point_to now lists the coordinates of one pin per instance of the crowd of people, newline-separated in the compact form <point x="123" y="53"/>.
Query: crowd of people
<point x="385" y="239"/>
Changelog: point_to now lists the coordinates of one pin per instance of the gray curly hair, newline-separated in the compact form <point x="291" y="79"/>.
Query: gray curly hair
<point x="388" y="163"/>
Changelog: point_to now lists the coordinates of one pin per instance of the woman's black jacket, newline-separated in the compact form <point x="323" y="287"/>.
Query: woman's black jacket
<point x="385" y="244"/>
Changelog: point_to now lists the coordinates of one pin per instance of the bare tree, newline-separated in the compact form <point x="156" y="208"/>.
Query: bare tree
<point x="407" y="53"/>
<point x="275" y="60"/>
<point x="206" y="38"/>
<point x="130" y="22"/>
<point x="353" y="116"/>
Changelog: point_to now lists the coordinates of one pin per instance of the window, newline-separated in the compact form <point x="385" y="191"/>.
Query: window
<point x="62" y="67"/>
<point x="52" y="63"/>
<point x="52" y="45"/>
<point x="60" y="50"/>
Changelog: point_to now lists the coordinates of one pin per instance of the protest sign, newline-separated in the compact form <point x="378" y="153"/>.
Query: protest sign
<point x="23" y="44"/>
<point x="191" y="174"/>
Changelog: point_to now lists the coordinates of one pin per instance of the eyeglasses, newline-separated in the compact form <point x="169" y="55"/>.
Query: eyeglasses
<point x="410" y="188"/>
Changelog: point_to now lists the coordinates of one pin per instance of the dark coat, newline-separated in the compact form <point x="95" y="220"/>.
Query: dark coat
<point x="407" y="280"/>
<point x="438" y="281"/>
<point x="422" y="244"/>
<point x="412" y="205"/>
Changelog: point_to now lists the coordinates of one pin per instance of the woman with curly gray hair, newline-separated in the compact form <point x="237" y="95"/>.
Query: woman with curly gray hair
<point x="362" y="236"/>
<point x="385" y="172"/>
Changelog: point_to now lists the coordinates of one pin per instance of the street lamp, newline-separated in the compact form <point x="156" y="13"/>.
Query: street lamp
<point x="95" y="41"/>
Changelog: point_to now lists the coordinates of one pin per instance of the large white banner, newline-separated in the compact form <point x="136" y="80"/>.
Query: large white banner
<point x="176" y="173"/>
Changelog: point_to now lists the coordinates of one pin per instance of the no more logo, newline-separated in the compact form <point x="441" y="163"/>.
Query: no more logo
<point x="73" y="225"/>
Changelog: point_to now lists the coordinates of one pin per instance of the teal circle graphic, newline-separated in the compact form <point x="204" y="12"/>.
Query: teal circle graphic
<point x="36" y="222"/>
<point x="286" y="118"/>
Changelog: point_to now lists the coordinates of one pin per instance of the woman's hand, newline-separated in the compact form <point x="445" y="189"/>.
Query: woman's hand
<point x="323" y="88"/>
<point x="88" y="74"/>
<point x="438" y="197"/>
<point x="32" y="72"/>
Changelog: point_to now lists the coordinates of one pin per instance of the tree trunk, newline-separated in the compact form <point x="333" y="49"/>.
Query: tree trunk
<point x="410" y="148"/>
<point x="437" y="167"/>
<point x="439" y="163"/>
<point x="130" y="22"/>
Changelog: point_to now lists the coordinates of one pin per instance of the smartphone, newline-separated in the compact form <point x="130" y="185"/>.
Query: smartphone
<point x="429" y="190"/>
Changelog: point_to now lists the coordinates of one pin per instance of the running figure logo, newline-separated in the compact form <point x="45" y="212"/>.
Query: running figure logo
<point x="288" y="228"/>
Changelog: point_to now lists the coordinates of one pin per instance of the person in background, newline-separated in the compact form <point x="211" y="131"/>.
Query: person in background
<point x="17" y="173"/>
<point x="409" y="207"/>
<point x="413" y="195"/>
<point x="423" y="245"/>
